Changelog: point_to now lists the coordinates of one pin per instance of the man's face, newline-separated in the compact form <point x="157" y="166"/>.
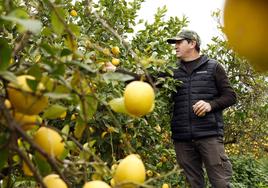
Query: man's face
<point x="183" y="48"/>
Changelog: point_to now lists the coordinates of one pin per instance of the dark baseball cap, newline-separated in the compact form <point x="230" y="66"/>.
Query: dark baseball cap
<point x="185" y="34"/>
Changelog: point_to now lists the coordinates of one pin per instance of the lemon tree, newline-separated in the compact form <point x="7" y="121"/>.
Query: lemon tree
<point x="83" y="119"/>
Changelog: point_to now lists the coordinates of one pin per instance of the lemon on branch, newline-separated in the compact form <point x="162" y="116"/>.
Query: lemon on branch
<point x="73" y="13"/>
<point x="50" y="141"/>
<point x="24" y="99"/>
<point x="115" y="50"/>
<point x="130" y="169"/>
<point x="139" y="98"/>
<point x="115" y="61"/>
<point x="54" y="181"/>
<point x="96" y="184"/>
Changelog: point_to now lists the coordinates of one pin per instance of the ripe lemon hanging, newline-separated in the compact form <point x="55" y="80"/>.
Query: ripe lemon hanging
<point x="139" y="98"/>
<point x="115" y="61"/>
<point x="73" y="13"/>
<point x="50" y="141"/>
<point x="23" y="99"/>
<point x="96" y="184"/>
<point x="115" y="50"/>
<point x="130" y="169"/>
<point x="246" y="26"/>
<point x="54" y="181"/>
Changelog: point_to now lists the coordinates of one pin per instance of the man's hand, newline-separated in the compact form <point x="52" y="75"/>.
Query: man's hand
<point x="201" y="107"/>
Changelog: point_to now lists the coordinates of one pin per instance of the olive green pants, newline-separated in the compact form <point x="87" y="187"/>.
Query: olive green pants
<point x="192" y="155"/>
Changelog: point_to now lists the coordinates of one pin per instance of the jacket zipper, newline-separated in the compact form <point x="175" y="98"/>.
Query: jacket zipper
<point x="189" y="100"/>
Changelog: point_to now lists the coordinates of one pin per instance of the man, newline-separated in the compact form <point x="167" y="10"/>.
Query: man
<point x="197" y="122"/>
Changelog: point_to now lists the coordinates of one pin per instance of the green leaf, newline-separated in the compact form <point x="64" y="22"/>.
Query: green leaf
<point x="130" y="30"/>
<point x="89" y="106"/>
<point x="56" y="22"/>
<point x="117" y="76"/>
<point x="54" y="111"/>
<point x="35" y="71"/>
<point x="48" y="48"/>
<point x="65" y="129"/>
<point x="19" y="13"/>
<point x="8" y="76"/>
<point x="75" y="29"/>
<point x="58" y="70"/>
<point x="46" y="31"/>
<point x="26" y="24"/>
<point x="65" y="52"/>
<point x="5" y="54"/>
<point x="42" y="165"/>
<point x="83" y="66"/>
<point x="79" y="129"/>
<point x="3" y="157"/>
<point x="32" y="84"/>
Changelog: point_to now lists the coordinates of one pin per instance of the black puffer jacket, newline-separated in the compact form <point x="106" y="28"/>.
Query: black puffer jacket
<point x="200" y="85"/>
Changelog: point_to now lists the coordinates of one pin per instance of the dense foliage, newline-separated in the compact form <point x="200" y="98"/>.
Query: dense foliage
<point x="65" y="46"/>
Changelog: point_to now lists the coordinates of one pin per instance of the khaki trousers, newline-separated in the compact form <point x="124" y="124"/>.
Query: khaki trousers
<point x="192" y="155"/>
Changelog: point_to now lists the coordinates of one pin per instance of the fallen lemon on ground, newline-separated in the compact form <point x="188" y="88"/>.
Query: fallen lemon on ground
<point x="139" y="98"/>
<point x="96" y="184"/>
<point x="50" y="141"/>
<point x="23" y="99"/>
<point x="130" y="169"/>
<point x="54" y="181"/>
<point x="246" y="25"/>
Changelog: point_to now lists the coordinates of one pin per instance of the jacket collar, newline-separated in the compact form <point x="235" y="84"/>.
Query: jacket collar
<point x="204" y="59"/>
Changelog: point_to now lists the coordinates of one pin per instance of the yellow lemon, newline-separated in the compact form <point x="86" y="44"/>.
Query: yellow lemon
<point x="27" y="122"/>
<point x="96" y="184"/>
<point x="73" y="13"/>
<point x="165" y="185"/>
<point x="26" y="169"/>
<point x="115" y="61"/>
<point x="115" y="50"/>
<point x="106" y="52"/>
<point x="23" y="99"/>
<point x="130" y="169"/>
<point x="112" y="182"/>
<point x="63" y="115"/>
<point x="50" y="141"/>
<point x="7" y="104"/>
<point x="139" y="98"/>
<point x="54" y="181"/>
<point x="246" y="25"/>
